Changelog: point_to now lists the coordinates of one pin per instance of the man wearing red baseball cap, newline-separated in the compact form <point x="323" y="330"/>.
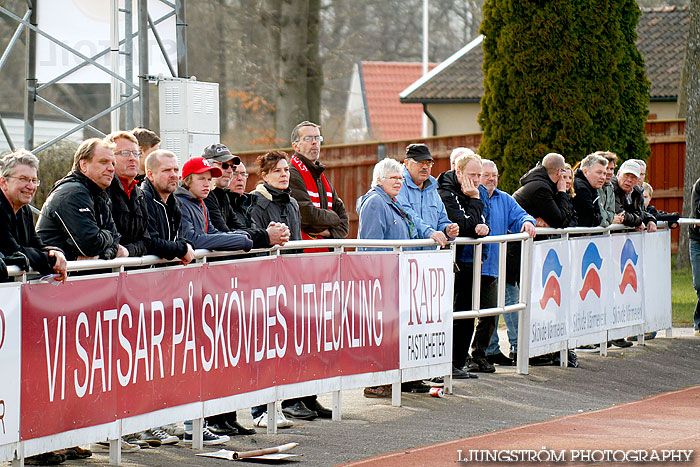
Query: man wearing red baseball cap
<point x="196" y="227"/>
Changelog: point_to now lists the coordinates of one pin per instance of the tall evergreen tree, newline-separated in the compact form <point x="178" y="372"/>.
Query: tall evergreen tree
<point x="563" y="77"/>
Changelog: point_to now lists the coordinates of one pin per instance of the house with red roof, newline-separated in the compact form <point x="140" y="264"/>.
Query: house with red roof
<point x="374" y="111"/>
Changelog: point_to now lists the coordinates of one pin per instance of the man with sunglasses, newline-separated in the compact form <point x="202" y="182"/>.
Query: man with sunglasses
<point x="226" y="215"/>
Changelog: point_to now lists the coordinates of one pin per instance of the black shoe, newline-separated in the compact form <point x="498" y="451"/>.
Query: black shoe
<point x="319" y="409"/>
<point x="499" y="359"/>
<point x="240" y="429"/>
<point x="415" y="386"/>
<point x="299" y="410"/>
<point x="480" y="365"/>
<point x="458" y="373"/>
<point x="222" y="428"/>
<point x="48" y="458"/>
<point x="589" y="346"/>
<point x="622" y="343"/>
<point x="232" y="421"/>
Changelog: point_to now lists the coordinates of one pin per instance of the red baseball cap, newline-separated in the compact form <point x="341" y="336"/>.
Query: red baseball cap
<point x="198" y="165"/>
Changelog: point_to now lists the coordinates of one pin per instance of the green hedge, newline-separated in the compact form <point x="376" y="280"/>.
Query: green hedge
<point x="561" y="76"/>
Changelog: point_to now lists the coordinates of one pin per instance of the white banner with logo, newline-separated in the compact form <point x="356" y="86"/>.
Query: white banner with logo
<point x="550" y="294"/>
<point x="10" y="300"/>
<point x="656" y="264"/>
<point x="84" y="25"/>
<point x="426" y="283"/>
<point x="590" y="268"/>
<point x="626" y="281"/>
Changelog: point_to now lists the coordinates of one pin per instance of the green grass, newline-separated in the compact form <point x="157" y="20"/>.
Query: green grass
<point x="683" y="297"/>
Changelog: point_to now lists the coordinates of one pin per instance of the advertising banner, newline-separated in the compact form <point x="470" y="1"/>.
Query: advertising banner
<point x="591" y="288"/>
<point x="128" y="344"/>
<point x="425" y="308"/>
<point x="9" y="362"/>
<point x="656" y="264"/>
<point x="626" y="281"/>
<point x="550" y="293"/>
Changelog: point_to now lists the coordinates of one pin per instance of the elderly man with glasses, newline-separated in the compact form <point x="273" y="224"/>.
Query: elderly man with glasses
<point x="18" y="183"/>
<point x="129" y="207"/>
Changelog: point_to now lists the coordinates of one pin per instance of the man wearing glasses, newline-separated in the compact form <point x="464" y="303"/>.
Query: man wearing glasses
<point x="129" y="208"/>
<point x="322" y="211"/>
<point x="227" y="203"/>
<point x="18" y="183"/>
<point x="323" y="215"/>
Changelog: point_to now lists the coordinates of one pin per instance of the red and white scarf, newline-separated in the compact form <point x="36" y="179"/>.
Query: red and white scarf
<point x="312" y="190"/>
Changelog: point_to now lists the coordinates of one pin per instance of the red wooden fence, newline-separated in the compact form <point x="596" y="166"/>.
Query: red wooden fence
<point x="349" y="166"/>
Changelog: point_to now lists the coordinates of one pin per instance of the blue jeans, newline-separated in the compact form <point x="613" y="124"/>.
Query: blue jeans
<point x="694" y="247"/>
<point x="511" y="320"/>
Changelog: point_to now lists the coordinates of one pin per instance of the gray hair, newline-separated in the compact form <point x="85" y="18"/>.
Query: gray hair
<point x="456" y="152"/>
<point x="295" y="131"/>
<point x="384" y="167"/>
<point x="593" y="159"/>
<point x="488" y="163"/>
<point x="12" y="160"/>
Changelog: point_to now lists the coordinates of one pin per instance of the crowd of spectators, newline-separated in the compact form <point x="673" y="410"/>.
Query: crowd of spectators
<point x="127" y="197"/>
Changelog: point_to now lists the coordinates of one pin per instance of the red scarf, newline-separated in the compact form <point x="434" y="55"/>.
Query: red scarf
<point x="312" y="190"/>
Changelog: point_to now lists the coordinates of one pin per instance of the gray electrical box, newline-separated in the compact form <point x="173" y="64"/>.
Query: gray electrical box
<point x="189" y="116"/>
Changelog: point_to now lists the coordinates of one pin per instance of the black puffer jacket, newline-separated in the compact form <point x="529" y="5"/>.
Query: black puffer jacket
<point x="539" y="197"/>
<point x="77" y="218"/>
<point x="130" y="215"/>
<point x="633" y="209"/>
<point x="163" y="224"/>
<point x="273" y="205"/>
<point x="226" y="217"/>
<point x="586" y="201"/>
<point x="694" y="230"/>
<point x="17" y="234"/>
<point x="466" y="212"/>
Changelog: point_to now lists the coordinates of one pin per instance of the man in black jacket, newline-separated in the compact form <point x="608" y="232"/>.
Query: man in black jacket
<point x="628" y="201"/>
<point x="77" y="216"/>
<point x="129" y="209"/>
<point x="459" y="191"/>
<point x="18" y="183"/>
<point x="587" y="180"/>
<point x="543" y="193"/>
<point x="224" y="217"/>
<point x="162" y="179"/>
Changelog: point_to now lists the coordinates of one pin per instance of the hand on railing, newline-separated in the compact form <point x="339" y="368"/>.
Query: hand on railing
<point x="440" y="238"/>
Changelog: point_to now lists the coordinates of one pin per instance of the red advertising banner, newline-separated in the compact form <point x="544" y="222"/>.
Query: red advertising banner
<point x="100" y="349"/>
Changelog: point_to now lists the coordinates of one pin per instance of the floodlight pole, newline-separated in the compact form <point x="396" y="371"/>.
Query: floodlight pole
<point x="129" y="62"/>
<point x="181" y="38"/>
<point x="30" y="83"/>
<point x="143" y="63"/>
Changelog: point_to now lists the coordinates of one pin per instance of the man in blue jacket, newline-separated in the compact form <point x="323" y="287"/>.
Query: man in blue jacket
<point x="419" y="196"/>
<point x="505" y="216"/>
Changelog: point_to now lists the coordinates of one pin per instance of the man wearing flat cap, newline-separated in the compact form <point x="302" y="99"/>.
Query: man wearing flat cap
<point x="420" y="198"/>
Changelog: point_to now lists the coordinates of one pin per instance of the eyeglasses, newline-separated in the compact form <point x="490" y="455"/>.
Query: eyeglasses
<point x="308" y="139"/>
<point x="226" y="165"/>
<point x="242" y="175"/>
<point x="26" y="181"/>
<point x="395" y="179"/>
<point x="425" y="164"/>
<point x="127" y="153"/>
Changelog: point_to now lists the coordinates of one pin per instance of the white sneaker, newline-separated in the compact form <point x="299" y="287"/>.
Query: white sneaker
<point x="282" y="422"/>
<point x="104" y="447"/>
